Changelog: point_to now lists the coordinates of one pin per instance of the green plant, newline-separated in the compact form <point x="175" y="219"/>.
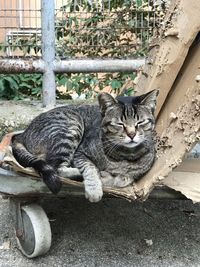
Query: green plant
<point x="30" y="84"/>
<point x="86" y="29"/>
<point x="17" y="86"/>
<point x="91" y="84"/>
<point x="9" y="87"/>
<point x="107" y="29"/>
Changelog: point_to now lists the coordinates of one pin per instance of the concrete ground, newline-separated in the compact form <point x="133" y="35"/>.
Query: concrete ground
<point x="112" y="233"/>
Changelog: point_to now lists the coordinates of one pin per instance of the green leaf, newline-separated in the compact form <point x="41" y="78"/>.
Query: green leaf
<point x="115" y="84"/>
<point x="2" y="87"/>
<point x="12" y="82"/>
<point x="25" y="85"/>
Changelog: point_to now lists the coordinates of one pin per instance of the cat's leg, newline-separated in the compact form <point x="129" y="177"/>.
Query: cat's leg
<point x="27" y="159"/>
<point x="68" y="172"/>
<point x="110" y="180"/>
<point x="123" y="181"/>
<point x="91" y="176"/>
<point x="63" y="146"/>
<point x="107" y="179"/>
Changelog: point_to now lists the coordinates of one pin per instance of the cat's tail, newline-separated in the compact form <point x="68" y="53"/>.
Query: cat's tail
<point x="26" y="159"/>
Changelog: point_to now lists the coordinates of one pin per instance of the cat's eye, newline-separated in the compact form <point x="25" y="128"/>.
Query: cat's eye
<point x="120" y="124"/>
<point x="117" y="124"/>
<point x="145" y="123"/>
<point x="115" y="127"/>
<point x="114" y="124"/>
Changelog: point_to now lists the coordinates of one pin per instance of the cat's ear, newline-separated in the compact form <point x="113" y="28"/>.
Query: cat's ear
<point x="105" y="101"/>
<point x="149" y="99"/>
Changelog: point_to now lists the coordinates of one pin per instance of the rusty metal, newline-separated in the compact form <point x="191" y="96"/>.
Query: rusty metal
<point x="21" y="65"/>
<point x="15" y="209"/>
<point x="70" y="66"/>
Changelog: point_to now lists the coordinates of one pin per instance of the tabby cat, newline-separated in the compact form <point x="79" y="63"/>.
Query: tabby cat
<point x="110" y="144"/>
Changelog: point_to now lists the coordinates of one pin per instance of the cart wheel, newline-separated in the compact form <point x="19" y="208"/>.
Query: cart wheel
<point x="36" y="237"/>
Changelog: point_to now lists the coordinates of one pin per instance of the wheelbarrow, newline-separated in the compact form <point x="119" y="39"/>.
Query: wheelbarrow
<point x="24" y="188"/>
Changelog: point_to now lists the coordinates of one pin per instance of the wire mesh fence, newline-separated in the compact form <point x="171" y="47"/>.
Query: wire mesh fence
<point x="84" y="28"/>
<point x="20" y="27"/>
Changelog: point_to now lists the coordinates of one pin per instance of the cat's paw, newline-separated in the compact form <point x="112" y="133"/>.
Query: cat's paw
<point x="122" y="181"/>
<point x="115" y="181"/>
<point x="93" y="191"/>
<point x="107" y="179"/>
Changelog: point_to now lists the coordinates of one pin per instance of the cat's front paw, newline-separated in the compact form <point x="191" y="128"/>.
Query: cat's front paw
<point x="107" y="179"/>
<point x="94" y="191"/>
<point x="122" y="181"/>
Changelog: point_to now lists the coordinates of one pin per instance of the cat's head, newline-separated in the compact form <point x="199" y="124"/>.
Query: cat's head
<point x="128" y="121"/>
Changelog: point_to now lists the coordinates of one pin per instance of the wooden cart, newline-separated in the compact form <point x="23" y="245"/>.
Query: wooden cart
<point x="173" y="67"/>
<point x="24" y="190"/>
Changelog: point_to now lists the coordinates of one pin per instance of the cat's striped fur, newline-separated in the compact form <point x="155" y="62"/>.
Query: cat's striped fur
<point x="113" y="140"/>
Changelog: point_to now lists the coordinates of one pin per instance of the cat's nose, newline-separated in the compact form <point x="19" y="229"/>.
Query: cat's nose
<point x="131" y="134"/>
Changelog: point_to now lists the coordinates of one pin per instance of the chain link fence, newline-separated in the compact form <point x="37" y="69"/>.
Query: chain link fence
<point x="74" y="48"/>
<point x="84" y="28"/>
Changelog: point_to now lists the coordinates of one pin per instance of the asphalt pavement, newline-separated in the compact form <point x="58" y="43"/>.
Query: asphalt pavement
<point x="111" y="233"/>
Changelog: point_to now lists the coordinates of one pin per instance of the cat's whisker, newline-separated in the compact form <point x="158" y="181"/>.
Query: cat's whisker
<point x="111" y="148"/>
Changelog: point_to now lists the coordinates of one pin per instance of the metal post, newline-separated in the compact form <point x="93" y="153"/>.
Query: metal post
<point x="71" y="65"/>
<point x="97" y="65"/>
<point x="48" y="52"/>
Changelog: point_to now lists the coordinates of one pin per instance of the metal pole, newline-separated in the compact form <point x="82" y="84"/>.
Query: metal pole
<point x="97" y="65"/>
<point x="48" y="52"/>
<point x="21" y="65"/>
<point x="71" y="65"/>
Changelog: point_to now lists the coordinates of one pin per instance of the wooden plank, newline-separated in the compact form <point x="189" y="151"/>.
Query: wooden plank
<point x="189" y="165"/>
<point x="186" y="183"/>
<point x="4" y="144"/>
<point x="19" y="185"/>
<point x="179" y="132"/>
<point x="173" y="66"/>
<point x="30" y="186"/>
<point x="168" y="54"/>
<point x="181" y="93"/>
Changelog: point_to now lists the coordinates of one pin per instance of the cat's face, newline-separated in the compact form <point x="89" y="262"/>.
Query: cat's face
<point x="128" y="121"/>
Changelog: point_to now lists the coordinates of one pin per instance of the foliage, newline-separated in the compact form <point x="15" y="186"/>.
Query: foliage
<point x="89" y="85"/>
<point x="107" y="28"/>
<point x="112" y="28"/>
<point x="9" y="87"/>
<point x="17" y="86"/>
<point x="87" y="28"/>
